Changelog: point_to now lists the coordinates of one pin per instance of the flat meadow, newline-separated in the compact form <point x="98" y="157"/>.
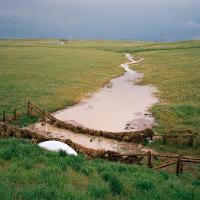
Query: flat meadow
<point x="55" y="76"/>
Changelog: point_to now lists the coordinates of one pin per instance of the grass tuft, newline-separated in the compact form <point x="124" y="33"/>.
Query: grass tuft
<point x="145" y="185"/>
<point x="114" y="183"/>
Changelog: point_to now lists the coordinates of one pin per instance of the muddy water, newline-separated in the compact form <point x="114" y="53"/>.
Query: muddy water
<point x="119" y="106"/>
<point x="97" y="143"/>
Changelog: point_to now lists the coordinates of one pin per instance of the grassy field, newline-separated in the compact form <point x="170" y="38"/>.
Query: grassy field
<point x="55" y="76"/>
<point x="50" y="175"/>
<point x="175" y="70"/>
<point x="51" y="76"/>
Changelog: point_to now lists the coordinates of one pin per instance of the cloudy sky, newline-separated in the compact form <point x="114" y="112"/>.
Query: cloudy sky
<point x="165" y="20"/>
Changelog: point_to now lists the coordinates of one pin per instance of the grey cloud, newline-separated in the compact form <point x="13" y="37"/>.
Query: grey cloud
<point x="111" y="19"/>
<point x="193" y="24"/>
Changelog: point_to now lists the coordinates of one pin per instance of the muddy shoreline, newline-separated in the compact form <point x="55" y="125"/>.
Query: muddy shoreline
<point x="89" y="141"/>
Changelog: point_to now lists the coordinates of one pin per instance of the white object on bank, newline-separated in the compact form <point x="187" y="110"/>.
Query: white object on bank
<point x="57" y="146"/>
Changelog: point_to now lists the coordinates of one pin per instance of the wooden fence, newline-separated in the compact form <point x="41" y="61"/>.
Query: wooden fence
<point x="9" y="117"/>
<point x="149" y="159"/>
<point x="177" y="160"/>
<point x="187" y="138"/>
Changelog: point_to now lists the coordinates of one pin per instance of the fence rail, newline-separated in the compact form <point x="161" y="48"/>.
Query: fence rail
<point x="189" y="138"/>
<point x="165" y="165"/>
<point x="178" y="160"/>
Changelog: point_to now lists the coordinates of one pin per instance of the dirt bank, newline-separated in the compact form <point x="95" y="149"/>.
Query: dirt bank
<point x="88" y="141"/>
<point x="7" y="131"/>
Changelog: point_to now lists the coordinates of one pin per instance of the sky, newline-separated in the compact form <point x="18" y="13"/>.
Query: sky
<point x="157" y="20"/>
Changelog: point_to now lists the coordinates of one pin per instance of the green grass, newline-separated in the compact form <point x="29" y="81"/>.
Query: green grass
<point x="29" y="172"/>
<point x="176" y="73"/>
<point x="53" y="77"/>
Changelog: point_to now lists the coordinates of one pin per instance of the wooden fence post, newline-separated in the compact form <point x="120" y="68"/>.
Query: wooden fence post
<point x="178" y="166"/>
<point x="15" y="114"/>
<point x="4" y="127"/>
<point x="4" y="116"/>
<point x="181" y="164"/>
<point x="28" y="108"/>
<point x="44" y="116"/>
<point x="164" y="139"/>
<point x="4" y="121"/>
<point x="190" y="141"/>
<point x="149" y="160"/>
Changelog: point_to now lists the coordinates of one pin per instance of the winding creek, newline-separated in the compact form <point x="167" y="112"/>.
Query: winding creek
<point x="120" y="106"/>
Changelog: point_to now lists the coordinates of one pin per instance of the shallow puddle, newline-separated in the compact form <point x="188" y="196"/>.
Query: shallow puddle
<point x="120" y="106"/>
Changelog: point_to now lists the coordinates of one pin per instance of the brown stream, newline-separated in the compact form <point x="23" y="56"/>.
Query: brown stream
<point x="120" y="106"/>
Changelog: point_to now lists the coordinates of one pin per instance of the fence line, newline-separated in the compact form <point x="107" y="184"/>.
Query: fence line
<point x="10" y="118"/>
<point x="179" y="160"/>
<point x="173" y="137"/>
<point x="7" y="130"/>
<point x="165" y="165"/>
